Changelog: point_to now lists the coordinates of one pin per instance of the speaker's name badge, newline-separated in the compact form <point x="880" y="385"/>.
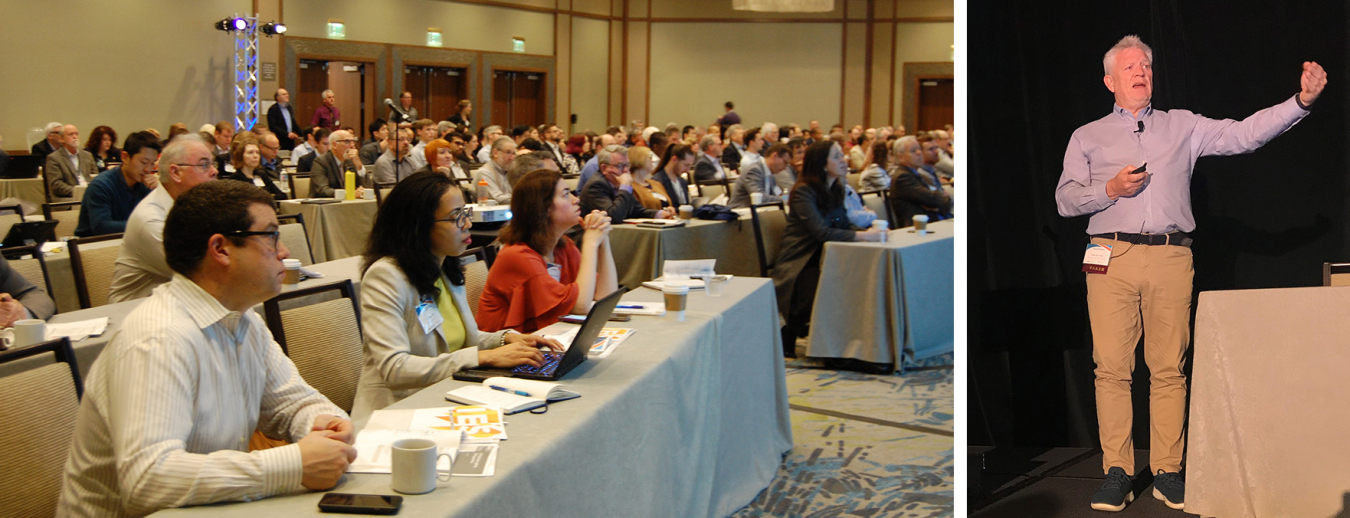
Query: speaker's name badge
<point x="1097" y="258"/>
<point x="429" y="315"/>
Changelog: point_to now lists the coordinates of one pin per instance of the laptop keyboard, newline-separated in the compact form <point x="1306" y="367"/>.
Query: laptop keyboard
<point x="550" y="364"/>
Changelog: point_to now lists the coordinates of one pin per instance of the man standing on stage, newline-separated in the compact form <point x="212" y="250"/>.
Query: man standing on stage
<point x="1139" y="260"/>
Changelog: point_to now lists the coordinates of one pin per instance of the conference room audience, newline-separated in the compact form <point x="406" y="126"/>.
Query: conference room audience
<point x="874" y="175"/>
<point x="592" y="165"/>
<point x="494" y="172"/>
<point x="175" y="130"/>
<point x="112" y="196"/>
<point x="102" y="144"/>
<point x="281" y="120"/>
<point x="193" y="371"/>
<point x="440" y="157"/>
<point x="327" y="116"/>
<point x="69" y="166"/>
<point x="470" y="152"/>
<point x="321" y="143"/>
<point x="20" y="299"/>
<point x="459" y="149"/>
<point x="329" y="170"/>
<point x="735" y="145"/>
<point x="945" y="166"/>
<point x="857" y="155"/>
<point x="677" y="161"/>
<point x="246" y="159"/>
<point x="405" y="103"/>
<point x="270" y="164"/>
<point x="462" y="117"/>
<point x="816" y="215"/>
<point x="553" y="139"/>
<point x="411" y="267"/>
<point x="377" y="144"/>
<point x="393" y="167"/>
<point x="708" y="167"/>
<point x="757" y="176"/>
<point x="140" y="267"/>
<point x="611" y="190"/>
<point x="51" y="143"/>
<point x="490" y="135"/>
<point x="932" y="156"/>
<point x="913" y="190"/>
<point x="650" y="193"/>
<point x="527" y="163"/>
<point x="307" y="145"/>
<point x="658" y="144"/>
<point x="224" y="136"/>
<point x="788" y="176"/>
<point x="532" y="145"/>
<point x="540" y="273"/>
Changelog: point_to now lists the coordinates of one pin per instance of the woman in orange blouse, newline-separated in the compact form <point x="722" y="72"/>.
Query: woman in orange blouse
<point x="650" y="194"/>
<point x="540" y="274"/>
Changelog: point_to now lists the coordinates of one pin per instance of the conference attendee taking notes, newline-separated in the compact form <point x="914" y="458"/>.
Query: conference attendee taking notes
<point x="417" y="325"/>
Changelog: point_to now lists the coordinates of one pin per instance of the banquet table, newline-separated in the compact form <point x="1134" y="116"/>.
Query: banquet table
<point x="683" y="419"/>
<point x="879" y="302"/>
<point x="61" y="275"/>
<point x="27" y="189"/>
<point x="640" y="253"/>
<point x="86" y="350"/>
<point x="1268" y="413"/>
<point x="336" y="230"/>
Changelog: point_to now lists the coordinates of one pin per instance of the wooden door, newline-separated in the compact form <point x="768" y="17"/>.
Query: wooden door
<point x="936" y="100"/>
<point x="445" y="87"/>
<point x="415" y="82"/>
<point x="501" y="100"/>
<point x="308" y="97"/>
<point x="346" y="81"/>
<point x="518" y="98"/>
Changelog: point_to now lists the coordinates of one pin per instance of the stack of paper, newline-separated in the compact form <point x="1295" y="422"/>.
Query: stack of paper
<point x="77" y="331"/>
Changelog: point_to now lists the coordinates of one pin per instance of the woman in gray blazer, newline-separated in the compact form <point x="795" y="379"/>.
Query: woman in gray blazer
<point x="418" y="327"/>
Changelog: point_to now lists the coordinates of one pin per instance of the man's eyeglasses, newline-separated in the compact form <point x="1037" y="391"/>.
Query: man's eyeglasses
<point x="349" y="141"/>
<point x="204" y="164"/>
<point x="621" y="167"/>
<point x="272" y="236"/>
<point x="459" y="216"/>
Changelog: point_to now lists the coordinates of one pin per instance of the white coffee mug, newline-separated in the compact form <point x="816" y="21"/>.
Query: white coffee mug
<point x="339" y="194"/>
<point x="756" y="198"/>
<point x="368" y="194"/>
<point x="413" y="466"/>
<point x="24" y="333"/>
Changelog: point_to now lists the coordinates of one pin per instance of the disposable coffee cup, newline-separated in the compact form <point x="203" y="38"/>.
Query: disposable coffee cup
<point x="921" y="223"/>
<point x="883" y="226"/>
<point x="339" y="194"/>
<point x="24" y="333"/>
<point x="756" y="198"/>
<point x="413" y="466"/>
<point x="369" y="194"/>
<point x="686" y="212"/>
<point x="714" y="284"/>
<point x="677" y="299"/>
<point x="292" y="271"/>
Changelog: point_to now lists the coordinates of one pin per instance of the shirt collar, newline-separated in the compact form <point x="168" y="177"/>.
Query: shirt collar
<point x="204" y="309"/>
<point x="1123" y="113"/>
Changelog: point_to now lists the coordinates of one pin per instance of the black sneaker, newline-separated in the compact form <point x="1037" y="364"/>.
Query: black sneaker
<point x="1115" y="493"/>
<point x="1170" y="488"/>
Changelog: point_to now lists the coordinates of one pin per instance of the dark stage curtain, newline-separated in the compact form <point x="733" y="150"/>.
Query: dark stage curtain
<point x="1265" y="219"/>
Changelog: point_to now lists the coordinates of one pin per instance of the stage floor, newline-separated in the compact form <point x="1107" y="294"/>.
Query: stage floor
<point x="1054" y="483"/>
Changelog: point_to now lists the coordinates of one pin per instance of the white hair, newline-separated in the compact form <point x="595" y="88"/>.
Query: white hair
<point x="209" y="128"/>
<point x="769" y="131"/>
<point x="903" y="142"/>
<point x="602" y="156"/>
<point x="54" y="126"/>
<point x="647" y="133"/>
<point x="176" y="152"/>
<point x="1128" y="42"/>
<point x="327" y="93"/>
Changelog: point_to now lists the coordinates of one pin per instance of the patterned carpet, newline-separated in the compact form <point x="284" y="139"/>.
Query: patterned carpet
<point x="869" y="446"/>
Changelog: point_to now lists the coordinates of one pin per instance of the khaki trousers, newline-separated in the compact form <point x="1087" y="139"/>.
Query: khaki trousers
<point x="1146" y="290"/>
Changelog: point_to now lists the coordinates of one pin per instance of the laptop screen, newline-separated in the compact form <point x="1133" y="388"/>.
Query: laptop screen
<point x="590" y="329"/>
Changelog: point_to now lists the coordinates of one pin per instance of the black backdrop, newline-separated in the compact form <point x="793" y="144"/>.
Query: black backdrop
<point x="1265" y="219"/>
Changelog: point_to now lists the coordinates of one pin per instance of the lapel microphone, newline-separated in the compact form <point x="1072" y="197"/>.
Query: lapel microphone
<point x="1141" y="127"/>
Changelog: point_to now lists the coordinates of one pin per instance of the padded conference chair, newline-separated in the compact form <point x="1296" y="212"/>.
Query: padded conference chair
<point x="66" y="213"/>
<point x="37" y="420"/>
<point x="475" y="275"/>
<point x="323" y="339"/>
<point x="876" y="200"/>
<point x="769" y="229"/>
<point x="93" y="267"/>
<point x="28" y="261"/>
<point x="299" y="185"/>
<point x="294" y="236"/>
<point x="379" y="191"/>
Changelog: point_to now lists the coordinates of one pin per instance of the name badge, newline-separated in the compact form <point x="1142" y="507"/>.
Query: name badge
<point x="259" y="182"/>
<point x="1096" y="258"/>
<point x="429" y="316"/>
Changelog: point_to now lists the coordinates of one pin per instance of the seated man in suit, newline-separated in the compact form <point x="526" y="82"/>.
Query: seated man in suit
<point x="757" y="176"/>
<point x="591" y="166"/>
<point x="51" y="143"/>
<point x="20" y="299"/>
<point x="193" y="372"/>
<point x="677" y="160"/>
<point x="224" y="135"/>
<point x="111" y="197"/>
<point x="329" y="174"/>
<point x="611" y="190"/>
<point x="69" y="165"/>
<point x="708" y="167"/>
<point x="320" y="145"/>
<point x="913" y="191"/>
<point x="735" y="146"/>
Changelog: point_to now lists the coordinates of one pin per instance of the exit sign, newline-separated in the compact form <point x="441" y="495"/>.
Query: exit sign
<point x="517" y="44"/>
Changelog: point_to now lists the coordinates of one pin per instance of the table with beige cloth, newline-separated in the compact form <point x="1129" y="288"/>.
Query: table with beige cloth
<point x="1268" y="413"/>
<point x="640" y="253"/>
<point x="62" y="275"/>
<point x="336" y="230"/>
<point x="880" y="302"/>
<point x="683" y="419"/>
<point x="27" y="189"/>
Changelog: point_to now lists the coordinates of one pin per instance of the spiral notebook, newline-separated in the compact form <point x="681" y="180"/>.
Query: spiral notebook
<point x="512" y="395"/>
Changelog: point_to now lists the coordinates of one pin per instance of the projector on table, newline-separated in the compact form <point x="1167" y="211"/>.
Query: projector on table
<point x="490" y="214"/>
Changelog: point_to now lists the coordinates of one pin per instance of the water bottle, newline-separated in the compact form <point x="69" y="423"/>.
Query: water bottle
<point x="482" y="193"/>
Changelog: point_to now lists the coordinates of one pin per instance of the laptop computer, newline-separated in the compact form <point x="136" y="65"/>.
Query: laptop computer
<point x="556" y="365"/>
<point x="30" y="233"/>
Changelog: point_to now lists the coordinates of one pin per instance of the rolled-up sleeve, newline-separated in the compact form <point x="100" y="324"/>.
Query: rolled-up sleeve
<point x="1076" y="194"/>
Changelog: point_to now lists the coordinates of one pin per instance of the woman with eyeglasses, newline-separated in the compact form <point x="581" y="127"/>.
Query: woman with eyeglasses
<point x="245" y="157"/>
<point x="418" y="328"/>
<point x="540" y="274"/>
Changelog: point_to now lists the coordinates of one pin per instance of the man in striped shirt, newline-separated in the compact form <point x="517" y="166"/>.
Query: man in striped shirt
<point x="169" y="407"/>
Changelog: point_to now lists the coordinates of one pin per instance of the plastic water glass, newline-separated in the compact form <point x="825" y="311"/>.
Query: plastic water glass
<point x="715" y="284"/>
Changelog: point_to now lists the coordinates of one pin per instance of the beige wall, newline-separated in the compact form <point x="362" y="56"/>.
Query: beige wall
<point x="590" y="69"/>
<point x="130" y="64"/>
<point x="698" y="66"/>
<point x="917" y="43"/>
<point x="405" y="22"/>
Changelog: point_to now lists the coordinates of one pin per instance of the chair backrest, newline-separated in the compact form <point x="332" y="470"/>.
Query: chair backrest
<point x="66" y="213"/>
<point x="299" y="185"/>
<point x="294" y="236"/>
<point x="855" y="180"/>
<point x="475" y="275"/>
<point x="7" y="221"/>
<point x="12" y="209"/>
<point x="714" y="188"/>
<point x="769" y="229"/>
<point x="891" y="216"/>
<point x="323" y="339"/>
<point x="28" y="261"/>
<point x="37" y="420"/>
<point x="1336" y="274"/>
<point x="93" y="267"/>
<point x="877" y="202"/>
<point x="379" y="192"/>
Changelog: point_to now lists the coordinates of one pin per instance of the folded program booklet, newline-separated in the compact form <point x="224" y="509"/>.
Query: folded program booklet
<point x="512" y="395"/>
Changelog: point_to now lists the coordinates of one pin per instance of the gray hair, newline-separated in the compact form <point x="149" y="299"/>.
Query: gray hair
<point x="502" y="142"/>
<point x="602" y="156"/>
<point x="707" y="140"/>
<point x="903" y="142"/>
<point x="769" y="131"/>
<point x="54" y="126"/>
<point x="491" y="129"/>
<point x="1128" y="42"/>
<point x="326" y="93"/>
<point x="444" y="126"/>
<point x="176" y="152"/>
<point x="524" y="164"/>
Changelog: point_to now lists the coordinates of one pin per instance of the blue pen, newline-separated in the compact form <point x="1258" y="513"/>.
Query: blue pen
<point x="504" y="389"/>
<point x="630" y="306"/>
